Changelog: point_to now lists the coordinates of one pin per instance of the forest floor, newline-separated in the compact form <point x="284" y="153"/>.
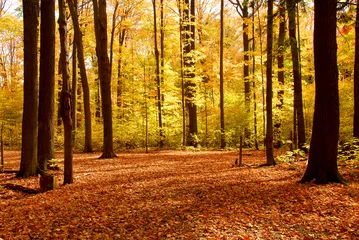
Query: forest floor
<point x="179" y="195"/>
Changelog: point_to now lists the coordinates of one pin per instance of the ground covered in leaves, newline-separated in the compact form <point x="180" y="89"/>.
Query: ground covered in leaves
<point x="179" y="195"/>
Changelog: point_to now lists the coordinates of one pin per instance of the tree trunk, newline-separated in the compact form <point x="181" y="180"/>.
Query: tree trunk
<point x="356" y="77"/>
<point x="74" y="88"/>
<point x="181" y="28"/>
<point x="254" y="80"/>
<point x="189" y="70"/>
<point x="28" y="165"/>
<point x="221" y="91"/>
<point x="65" y="100"/>
<point x="84" y="81"/>
<point x="247" y="90"/>
<point x="45" y="139"/>
<point x="158" y="78"/>
<point x="280" y="92"/>
<point x="100" y="19"/>
<point x="322" y="163"/>
<point x="269" y="134"/>
<point x="298" y="101"/>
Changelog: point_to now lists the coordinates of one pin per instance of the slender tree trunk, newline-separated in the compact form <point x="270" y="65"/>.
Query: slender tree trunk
<point x="322" y="163"/>
<point x="28" y="164"/>
<point x="84" y="81"/>
<point x="158" y="77"/>
<point x="269" y="135"/>
<point x="247" y="90"/>
<point x="181" y="27"/>
<point x="100" y="19"/>
<point x="120" y="80"/>
<point x="45" y="150"/>
<point x="262" y="74"/>
<point x="280" y="91"/>
<point x="65" y="100"/>
<point x="356" y="77"/>
<point x="298" y="101"/>
<point x="254" y="81"/>
<point x="221" y="91"/>
<point x="74" y="88"/>
<point x="112" y="37"/>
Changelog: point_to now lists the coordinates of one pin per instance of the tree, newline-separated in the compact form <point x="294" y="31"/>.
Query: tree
<point x="100" y="19"/>
<point x="65" y="100"/>
<point x="158" y="74"/>
<point x="189" y="69"/>
<point x="298" y="101"/>
<point x="223" y="139"/>
<point x="28" y="165"/>
<point x="356" y="76"/>
<point x="45" y="140"/>
<point x="83" y="74"/>
<point x="269" y="133"/>
<point x="280" y="64"/>
<point x="322" y="163"/>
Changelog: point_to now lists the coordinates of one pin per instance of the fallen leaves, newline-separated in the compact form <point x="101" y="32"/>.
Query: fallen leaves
<point x="180" y="195"/>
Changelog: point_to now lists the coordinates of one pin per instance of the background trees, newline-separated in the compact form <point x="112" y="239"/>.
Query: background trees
<point x="135" y="104"/>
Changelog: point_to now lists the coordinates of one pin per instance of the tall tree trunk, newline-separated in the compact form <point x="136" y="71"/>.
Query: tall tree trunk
<point x="112" y="37"/>
<point x="247" y="89"/>
<point x="120" y="80"/>
<point x="84" y="81"/>
<point x="356" y="77"/>
<point x="181" y="28"/>
<point x="262" y="74"/>
<point x="269" y="134"/>
<point x="221" y="91"/>
<point x="65" y="100"/>
<point x="298" y="101"/>
<point x="322" y="163"/>
<point x="158" y="78"/>
<point x="280" y="62"/>
<point x="45" y="150"/>
<point x="100" y="19"/>
<point x="28" y="165"/>
<point x="254" y="79"/>
<point x="189" y="70"/>
<point x="74" y="88"/>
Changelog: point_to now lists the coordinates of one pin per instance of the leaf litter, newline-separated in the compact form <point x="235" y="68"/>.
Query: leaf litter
<point x="179" y="195"/>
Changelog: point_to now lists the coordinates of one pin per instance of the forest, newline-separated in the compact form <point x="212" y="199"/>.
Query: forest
<point x="224" y="102"/>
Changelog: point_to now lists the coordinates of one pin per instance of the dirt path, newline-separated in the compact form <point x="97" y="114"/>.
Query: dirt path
<point x="180" y="195"/>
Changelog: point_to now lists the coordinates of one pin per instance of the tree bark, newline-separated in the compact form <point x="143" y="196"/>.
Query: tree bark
<point x="298" y="101"/>
<point x="158" y="77"/>
<point x="189" y="70"/>
<point x="28" y="165"/>
<point x="65" y="100"/>
<point x="221" y="90"/>
<point x="269" y="134"/>
<point x="45" y="139"/>
<point x="100" y="19"/>
<point x="86" y="91"/>
<point x="280" y="64"/>
<point x="322" y="163"/>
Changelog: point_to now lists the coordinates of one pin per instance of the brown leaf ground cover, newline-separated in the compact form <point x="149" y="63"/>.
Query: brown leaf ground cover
<point x="179" y="195"/>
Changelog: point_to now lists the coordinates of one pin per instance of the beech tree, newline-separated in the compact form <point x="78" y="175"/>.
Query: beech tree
<point x="298" y="101"/>
<point x="45" y="150"/>
<point x="189" y="70"/>
<point x="28" y="165"/>
<point x="100" y="19"/>
<point x="83" y="74"/>
<point x="65" y="100"/>
<point x="269" y="133"/>
<point x="322" y="163"/>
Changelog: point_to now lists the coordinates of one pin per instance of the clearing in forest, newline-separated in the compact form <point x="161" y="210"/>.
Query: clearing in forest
<point x="179" y="195"/>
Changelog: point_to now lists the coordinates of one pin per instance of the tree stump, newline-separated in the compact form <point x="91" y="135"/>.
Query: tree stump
<point x="47" y="183"/>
